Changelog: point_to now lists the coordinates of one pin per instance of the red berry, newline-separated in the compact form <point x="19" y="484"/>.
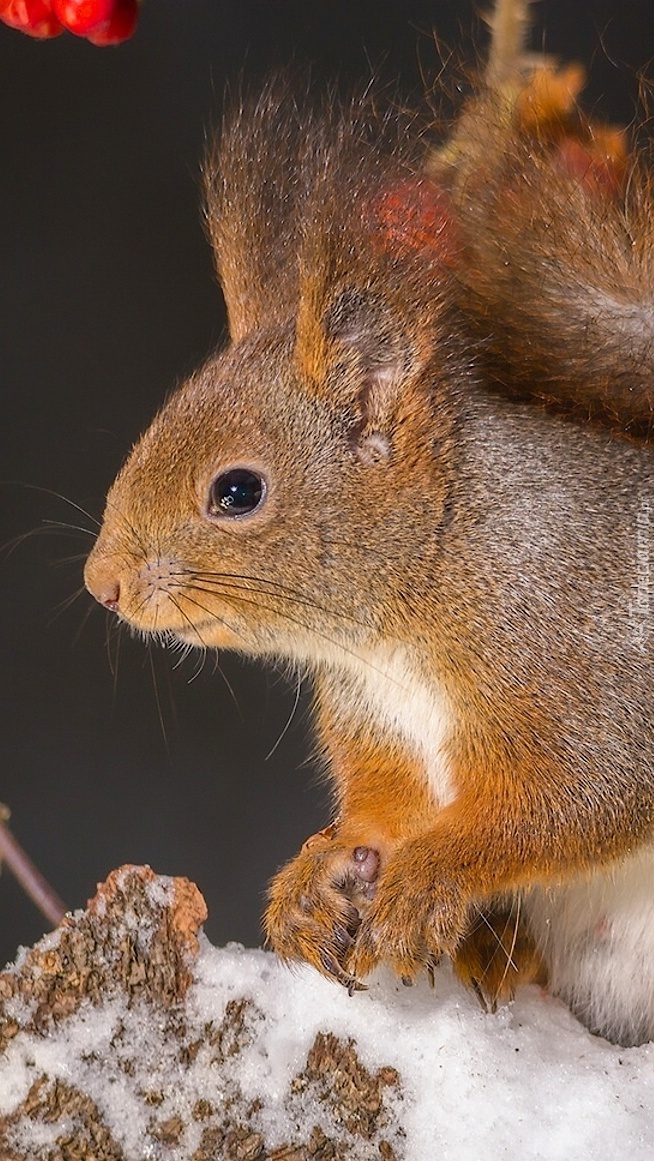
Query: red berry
<point x="35" y="17"/>
<point x="119" y="27"/>
<point x="83" y="16"/>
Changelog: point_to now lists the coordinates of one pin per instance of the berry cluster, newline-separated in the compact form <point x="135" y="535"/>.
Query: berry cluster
<point x="100" y="21"/>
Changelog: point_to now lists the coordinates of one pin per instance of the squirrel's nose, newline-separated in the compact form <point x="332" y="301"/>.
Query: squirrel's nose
<point x="107" y="592"/>
<point x="101" y="582"/>
<point x="109" y="596"/>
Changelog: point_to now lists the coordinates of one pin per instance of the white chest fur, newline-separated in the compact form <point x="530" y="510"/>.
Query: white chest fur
<point x="383" y="687"/>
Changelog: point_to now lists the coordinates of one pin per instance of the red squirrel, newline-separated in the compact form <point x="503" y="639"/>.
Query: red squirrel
<point x="374" y="482"/>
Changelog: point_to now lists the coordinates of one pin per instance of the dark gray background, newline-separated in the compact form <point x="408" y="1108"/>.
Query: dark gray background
<point x="107" y="299"/>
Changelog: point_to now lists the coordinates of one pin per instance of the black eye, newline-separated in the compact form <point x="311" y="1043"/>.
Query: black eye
<point x="236" y="493"/>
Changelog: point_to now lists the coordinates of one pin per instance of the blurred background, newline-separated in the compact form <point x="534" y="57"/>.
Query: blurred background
<point x="111" y="754"/>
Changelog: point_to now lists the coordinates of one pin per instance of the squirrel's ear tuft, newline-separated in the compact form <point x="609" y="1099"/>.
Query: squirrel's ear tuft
<point x="257" y="174"/>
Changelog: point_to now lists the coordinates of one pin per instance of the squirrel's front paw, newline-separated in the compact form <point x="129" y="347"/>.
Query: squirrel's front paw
<point x="315" y="902"/>
<point x="418" y="914"/>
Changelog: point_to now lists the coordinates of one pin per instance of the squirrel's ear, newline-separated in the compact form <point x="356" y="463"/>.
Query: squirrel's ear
<point x="254" y="183"/>
<point x="352" y="350"/>
<point x="372" y="295"/>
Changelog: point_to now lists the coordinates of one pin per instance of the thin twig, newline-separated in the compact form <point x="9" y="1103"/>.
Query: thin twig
<point x="29" y="877"/>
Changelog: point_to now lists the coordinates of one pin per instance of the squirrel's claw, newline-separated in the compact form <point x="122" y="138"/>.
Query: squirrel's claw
<point x="312" y="917"/>
<point x="344" y="938"/>
<point x="310" y="914"/>
<point x="372" y="949"/>
<point x="333" y="968"/>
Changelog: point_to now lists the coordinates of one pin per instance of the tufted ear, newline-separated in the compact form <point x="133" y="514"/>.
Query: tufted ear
<point x="303" y="203"/>
<point x="256" y="177"/>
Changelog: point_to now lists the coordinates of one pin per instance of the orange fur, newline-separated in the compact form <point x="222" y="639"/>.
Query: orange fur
<point x="453" y="568"/>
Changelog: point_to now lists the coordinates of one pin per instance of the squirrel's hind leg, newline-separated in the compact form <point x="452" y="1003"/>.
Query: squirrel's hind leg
<point x="498" y="954"/>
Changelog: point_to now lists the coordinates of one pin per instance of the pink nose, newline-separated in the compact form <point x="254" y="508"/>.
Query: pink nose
<point x="109" y="595"/>
<point x="102" y="578"/>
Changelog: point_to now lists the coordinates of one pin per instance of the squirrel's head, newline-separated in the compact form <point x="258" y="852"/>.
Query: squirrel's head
<point x="283" y="497"/>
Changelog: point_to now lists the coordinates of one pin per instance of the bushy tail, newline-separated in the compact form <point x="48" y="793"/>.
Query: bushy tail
<point x="557" y="219"/>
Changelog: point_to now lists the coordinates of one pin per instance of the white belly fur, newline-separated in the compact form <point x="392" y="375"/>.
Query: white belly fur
<point x="382" y="686"/>
<point x="597" y="937"/>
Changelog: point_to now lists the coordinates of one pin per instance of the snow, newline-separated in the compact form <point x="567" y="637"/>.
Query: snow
<point x="527" y="1082"/>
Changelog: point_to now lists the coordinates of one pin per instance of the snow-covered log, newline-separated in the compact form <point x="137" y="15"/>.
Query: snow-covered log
<point x="125" y="1036"/>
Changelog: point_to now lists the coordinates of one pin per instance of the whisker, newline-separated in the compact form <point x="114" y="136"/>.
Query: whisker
<point x="174" y="644"/>
<point x="184" y="650"/>
<point x="510" y="962"/>
<point x="230" y="688"/>
<point x="115" y="663"/>
<point x="65" y="604"/>
<point x="64" y="526"/>
<point x="64" y="530"/>
<point x="499" y="939"/>
<point x="112" y="629"/>
<point x="188" y="619"/>
<point x="235" y="599"/>
<point x="130" y="527"/>
<point x="202" y="658"/>
<point x="298" y="690"/>
<point x="145" y="599"/>
<point x="157" y="699"/>
<point x="59" y="496"/>
<point x="204" y="648"/>
<point x="203" y="608"/>
<point x="296" y="595"/>
<point x="62" y="561"/>
<point x="255" y="599"/>
<point x="82" y="626"/>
